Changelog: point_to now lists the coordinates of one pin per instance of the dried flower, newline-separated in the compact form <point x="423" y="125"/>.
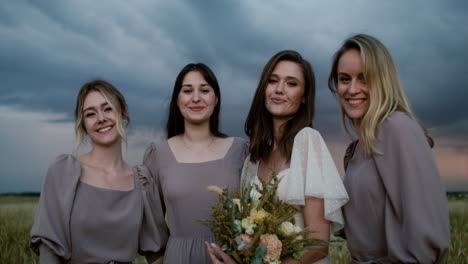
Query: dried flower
<point x="273" y="245"/>
<point x="258" y="215"/>
<point x="246" y="238"/>
<point x="255" y="196"/>
<point x="248" y="225"/>
<point x="237" y="203"/>
<point x="216" y="189"/>
<point x="236" y="226"/>
<point x="243" y="241"/>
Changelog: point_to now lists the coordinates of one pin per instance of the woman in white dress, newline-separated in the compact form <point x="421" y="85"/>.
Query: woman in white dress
<point x="282" y="139"/>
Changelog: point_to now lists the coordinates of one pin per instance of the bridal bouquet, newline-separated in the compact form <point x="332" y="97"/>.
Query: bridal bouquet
<point x="256" y="227"/>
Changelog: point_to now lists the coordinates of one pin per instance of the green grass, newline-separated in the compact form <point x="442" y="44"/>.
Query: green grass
<point x="16" y="218"/>
<point x="17" y="214"/>
<point x="458" y="209"/>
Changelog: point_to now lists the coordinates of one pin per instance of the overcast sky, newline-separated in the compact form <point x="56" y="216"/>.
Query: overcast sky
<point x="48" y="49"/>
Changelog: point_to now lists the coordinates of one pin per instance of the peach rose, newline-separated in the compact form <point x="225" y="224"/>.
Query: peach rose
<point x="273" y="245"/>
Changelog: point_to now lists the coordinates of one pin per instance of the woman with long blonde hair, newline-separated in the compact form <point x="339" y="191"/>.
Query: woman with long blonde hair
<point x="397" y="212"/>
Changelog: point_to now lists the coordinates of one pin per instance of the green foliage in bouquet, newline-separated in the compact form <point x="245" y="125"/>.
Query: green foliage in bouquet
<point x="256" y="227"/>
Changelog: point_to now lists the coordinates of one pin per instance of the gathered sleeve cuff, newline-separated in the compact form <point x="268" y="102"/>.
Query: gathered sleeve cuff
<point x="313" y="174"/>
<point x="154" y="232"/>
<point x="51" y="225"/>
<point x="416" y="218"/>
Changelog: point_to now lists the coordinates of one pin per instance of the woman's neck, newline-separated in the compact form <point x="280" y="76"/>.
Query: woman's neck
<point x="278" y="126"/>
<point x="106" y="156"/>
<point x="197" y="133"/>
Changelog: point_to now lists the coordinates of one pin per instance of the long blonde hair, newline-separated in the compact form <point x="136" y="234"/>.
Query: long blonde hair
<point x="386" y="94"/>
<point x="115" y="100"/>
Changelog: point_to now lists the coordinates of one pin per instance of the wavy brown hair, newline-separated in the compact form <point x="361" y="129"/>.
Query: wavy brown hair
<point x="259" y="123"/>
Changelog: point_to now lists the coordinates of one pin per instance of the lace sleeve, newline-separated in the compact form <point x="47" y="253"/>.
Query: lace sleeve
<point x="249" y="171"/>
<point x="313" y="174"/>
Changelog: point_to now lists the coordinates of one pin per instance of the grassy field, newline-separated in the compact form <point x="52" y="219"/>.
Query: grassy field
<point x="17" y="212"/>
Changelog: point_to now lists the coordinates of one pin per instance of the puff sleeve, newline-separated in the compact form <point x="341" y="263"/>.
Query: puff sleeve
<point x="151" y="162"/>
<point x="51" y="226"/>
<point x="416" y="212"/>
<point x="154" y="233"/>
<point x="314" y="174"/>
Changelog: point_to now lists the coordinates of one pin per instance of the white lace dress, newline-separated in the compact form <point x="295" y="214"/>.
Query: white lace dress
<point x="312" y="173"/>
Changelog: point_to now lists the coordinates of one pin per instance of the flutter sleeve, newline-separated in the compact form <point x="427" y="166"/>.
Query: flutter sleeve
<point x="416" y="212"/>
<point x="51" y="225"/>
<point x="154" y="232"/>
<point x="313" y="174"/>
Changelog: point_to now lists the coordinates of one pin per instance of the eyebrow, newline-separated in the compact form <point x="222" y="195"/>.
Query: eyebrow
<point x="190" y="85"/>
<point x="287" y="77"/>
<point x="92" y="107"/>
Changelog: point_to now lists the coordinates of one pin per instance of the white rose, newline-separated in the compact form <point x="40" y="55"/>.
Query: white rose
<point x="287" y="228"/>
<point x="248" y="225"/>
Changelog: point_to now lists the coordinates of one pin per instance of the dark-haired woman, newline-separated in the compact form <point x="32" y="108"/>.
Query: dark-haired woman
<point x="279" y="126"/>
<point x="397" y="212"/>
<point x="94" y="208"/>
<point x="195" y="155"/>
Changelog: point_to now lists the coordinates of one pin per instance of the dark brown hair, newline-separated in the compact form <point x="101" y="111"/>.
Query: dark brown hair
<point x="259" y="123"/>
<point x="175" y="121"/>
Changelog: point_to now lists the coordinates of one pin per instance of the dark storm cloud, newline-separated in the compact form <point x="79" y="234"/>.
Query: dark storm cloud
<point x="48" y="49"/>
<point x="51" y="48"/>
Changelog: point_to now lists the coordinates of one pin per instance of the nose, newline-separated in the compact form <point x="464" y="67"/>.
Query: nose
<point x="196" y="97"/>
<point x="279" y="87"/>
<point x="354" y="87"/>
<point x="101" y="116"/>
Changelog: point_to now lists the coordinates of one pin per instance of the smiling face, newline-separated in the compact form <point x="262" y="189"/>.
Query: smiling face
<point x="285" y="90"/>
<point x="99" y="120"/>
<point x="196" y="99"/>
<point x="351" y="86"/>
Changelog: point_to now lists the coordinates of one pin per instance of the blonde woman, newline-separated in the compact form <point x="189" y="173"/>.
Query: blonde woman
<point x="94" y="207"/>
<point x="397" y="212"/>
